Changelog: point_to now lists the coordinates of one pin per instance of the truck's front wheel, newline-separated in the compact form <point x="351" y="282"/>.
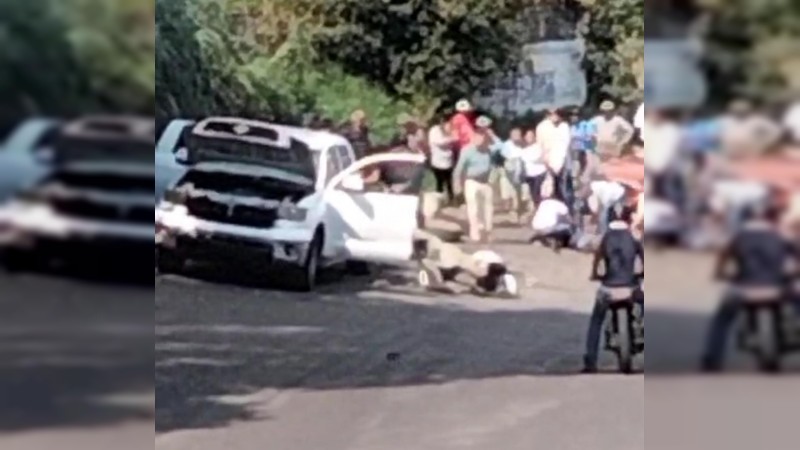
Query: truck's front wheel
<point x="305" y="280"/>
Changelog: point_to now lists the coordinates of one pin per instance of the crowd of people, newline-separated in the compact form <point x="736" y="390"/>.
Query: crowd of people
<point x="548" y="174"/>
<point x="703" y="174"/>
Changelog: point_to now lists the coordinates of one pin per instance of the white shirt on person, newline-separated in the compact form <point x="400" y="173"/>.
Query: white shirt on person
<point x="664" y="147"/>
<point x="551" y="215"/>
<point x="555" y="140"/>
<point x="442" y="155"/>
<point x="638" y="121"/>
<point x="615" y="131"/>
<point x="533" y="161"/>
<point x="607" y="193"/>
<point x="791" y="121"/>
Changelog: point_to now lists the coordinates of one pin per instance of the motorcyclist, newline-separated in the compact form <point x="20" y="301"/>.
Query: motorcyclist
<point x="761" y="256"/>
<point x="618" y="252"/>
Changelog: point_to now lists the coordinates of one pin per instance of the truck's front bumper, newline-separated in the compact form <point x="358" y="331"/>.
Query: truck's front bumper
<point x="220" y="243"/>
<point x="54" y="235"/>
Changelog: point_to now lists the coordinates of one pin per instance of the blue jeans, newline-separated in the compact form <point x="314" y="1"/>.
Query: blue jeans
<point x="724" y="319"/>
<point x="602" y="304"/>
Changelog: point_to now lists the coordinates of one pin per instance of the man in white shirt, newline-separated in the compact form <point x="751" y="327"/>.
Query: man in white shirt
<point x="638" y="121"/>
<point x="791" y="122"/>
<point x="511" y="180"/>
<point x="442" y="144"/>
<point x="614" y="132"/>
<point x="555" y="136"/>
<point x="552" y="224"/>
<point x="661" y="157"/>
<point x="605" y="194"/>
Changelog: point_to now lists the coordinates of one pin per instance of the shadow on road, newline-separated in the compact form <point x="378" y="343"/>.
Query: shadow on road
<point x="74" y="353"/>
<point x="218" y="345"/>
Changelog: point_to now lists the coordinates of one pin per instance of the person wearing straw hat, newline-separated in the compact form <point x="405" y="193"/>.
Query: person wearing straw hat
<point x="746" y="131"/>
<point x="356" y="130"/>
<point x="614" y="132"/>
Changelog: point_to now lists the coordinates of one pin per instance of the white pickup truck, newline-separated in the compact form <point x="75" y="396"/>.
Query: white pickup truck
<point x="273" y="196"/>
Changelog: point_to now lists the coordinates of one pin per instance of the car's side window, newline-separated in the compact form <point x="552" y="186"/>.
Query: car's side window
<point x="345" y="157"/>
<point x="333" y="166"/>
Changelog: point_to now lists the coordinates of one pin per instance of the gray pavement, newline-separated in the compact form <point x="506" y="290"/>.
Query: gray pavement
<point x="376" y="364"/>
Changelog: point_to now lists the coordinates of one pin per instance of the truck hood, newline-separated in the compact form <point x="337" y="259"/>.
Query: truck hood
<point x="76" y="150"/>
<point x="292" y="157"/>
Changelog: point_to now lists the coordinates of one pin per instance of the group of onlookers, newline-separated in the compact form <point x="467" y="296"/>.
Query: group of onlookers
<point x="697" y="170"/>
<point x="546" y="174"/>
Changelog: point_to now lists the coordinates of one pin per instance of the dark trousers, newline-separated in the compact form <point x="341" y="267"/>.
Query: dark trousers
<point x="602" y="305"/>
<point x="721" y="323"/>
<point x="535" y="187"/>
<point x="564" y="187"/>
<point x="444" y="181"/>
<point x="556" y="240"/>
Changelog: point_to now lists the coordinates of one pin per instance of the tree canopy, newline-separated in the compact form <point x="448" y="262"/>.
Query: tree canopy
<point x="284" y="58"/>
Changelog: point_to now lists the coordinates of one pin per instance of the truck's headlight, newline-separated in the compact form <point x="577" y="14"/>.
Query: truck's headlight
<point x="292" y="213"/>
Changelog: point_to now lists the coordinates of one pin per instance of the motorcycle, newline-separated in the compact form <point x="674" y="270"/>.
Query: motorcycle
<point x="624" y="327"/>
<point x="770" y="326"/>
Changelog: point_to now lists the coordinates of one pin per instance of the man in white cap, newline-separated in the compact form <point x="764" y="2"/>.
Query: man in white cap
<point x="614" y="132"/>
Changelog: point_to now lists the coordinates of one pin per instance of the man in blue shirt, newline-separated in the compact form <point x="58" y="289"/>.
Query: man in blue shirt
<point x="473" y="172"/>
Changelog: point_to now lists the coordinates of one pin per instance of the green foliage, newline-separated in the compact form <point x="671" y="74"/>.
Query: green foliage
<point x="614" y="35"/>
<point x="67" y="58"/>
<point x="282" y="59"/>
<point x="754" y="47"/>
<point x="430" y="53"/>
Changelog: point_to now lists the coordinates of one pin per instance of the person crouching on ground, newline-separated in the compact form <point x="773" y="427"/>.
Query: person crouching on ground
<point x="605" y="195"/>
<point x="473" y="171"/>
<point x="552" y="223"/>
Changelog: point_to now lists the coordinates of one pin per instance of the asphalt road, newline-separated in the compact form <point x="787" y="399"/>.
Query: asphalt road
<point x="370" y="363"/>
<point x="376" y="364"/>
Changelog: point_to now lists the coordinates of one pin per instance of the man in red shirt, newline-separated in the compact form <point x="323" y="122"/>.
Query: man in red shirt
<point x="463" y="124"/>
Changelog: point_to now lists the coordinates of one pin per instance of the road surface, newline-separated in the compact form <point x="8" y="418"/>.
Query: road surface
<point x="365" y="364"/>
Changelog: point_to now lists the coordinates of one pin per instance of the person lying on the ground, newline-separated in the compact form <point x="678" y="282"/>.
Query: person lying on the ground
<point x="481" y="272"/>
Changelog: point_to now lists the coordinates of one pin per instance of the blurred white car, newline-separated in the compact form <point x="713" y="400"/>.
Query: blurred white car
<point x="95" y="196"/>
<point x="270" y="196"/>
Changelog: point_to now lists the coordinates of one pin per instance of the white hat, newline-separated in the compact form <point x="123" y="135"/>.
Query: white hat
<point x="463" y="106"/>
